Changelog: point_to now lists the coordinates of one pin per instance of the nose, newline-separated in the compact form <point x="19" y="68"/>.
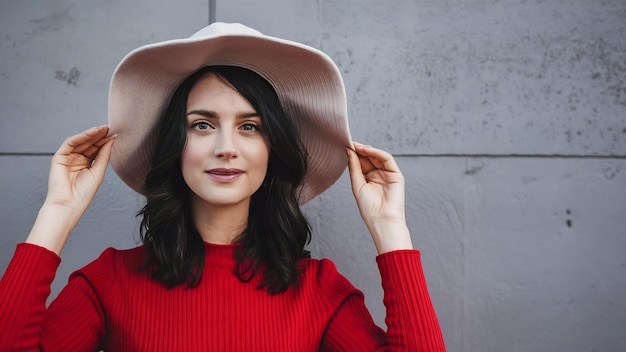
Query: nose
<point x="225" y="145"/>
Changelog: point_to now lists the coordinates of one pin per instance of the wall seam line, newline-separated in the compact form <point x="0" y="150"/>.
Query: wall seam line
<point x="212" y="6"/>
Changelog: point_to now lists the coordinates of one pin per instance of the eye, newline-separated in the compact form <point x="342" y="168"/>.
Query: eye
<point x="201" y="125"/>
<point x="250" y="127"/>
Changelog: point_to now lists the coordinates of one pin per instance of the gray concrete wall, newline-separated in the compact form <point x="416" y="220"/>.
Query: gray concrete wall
<point x="507" y="117"/>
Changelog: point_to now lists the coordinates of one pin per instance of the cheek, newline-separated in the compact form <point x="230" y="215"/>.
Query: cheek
<point x="262" y="154"/>
<point x="190" y="158"/>
<point x="257" y="159"/>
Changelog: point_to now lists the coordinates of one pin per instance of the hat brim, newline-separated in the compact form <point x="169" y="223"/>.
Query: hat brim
<point x="307" y="81"/>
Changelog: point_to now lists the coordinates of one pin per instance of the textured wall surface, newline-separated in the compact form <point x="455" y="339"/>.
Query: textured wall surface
<point x="508" y="119"/>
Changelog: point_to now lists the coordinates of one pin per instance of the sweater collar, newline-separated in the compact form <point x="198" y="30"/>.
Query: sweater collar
<point x="221" y="252"/>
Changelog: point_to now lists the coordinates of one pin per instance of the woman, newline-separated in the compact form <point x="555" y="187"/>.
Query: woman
<point x="253" y="127"/>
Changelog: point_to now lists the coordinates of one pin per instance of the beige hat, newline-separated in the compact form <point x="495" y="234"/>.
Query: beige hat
<point x="307" y="81"/>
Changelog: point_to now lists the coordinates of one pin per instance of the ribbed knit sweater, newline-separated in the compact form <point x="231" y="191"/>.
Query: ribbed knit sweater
<point x="110" y="304"/>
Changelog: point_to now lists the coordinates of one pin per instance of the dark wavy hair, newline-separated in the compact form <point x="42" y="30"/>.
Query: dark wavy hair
<point x="277" y="231"/>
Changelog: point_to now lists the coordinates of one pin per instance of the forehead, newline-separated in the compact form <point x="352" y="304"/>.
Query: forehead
<point x="215" y="92"/>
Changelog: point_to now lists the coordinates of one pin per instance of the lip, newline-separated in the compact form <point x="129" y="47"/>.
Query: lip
<point x="224" y="175"/>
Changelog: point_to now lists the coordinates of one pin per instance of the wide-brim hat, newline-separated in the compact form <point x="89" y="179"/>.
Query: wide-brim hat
<point x="307" y="81"/>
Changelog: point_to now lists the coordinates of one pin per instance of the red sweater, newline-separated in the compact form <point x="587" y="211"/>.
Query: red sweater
<point x="110" y="305"/>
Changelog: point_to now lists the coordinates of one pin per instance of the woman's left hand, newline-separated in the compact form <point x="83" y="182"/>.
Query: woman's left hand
<point x="378" y="187"/>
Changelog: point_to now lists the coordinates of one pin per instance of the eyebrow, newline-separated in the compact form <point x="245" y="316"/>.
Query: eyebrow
<point x="213" y="114"/>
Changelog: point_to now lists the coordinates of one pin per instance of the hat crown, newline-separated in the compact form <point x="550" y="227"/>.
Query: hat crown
<point x="216" y="29"/>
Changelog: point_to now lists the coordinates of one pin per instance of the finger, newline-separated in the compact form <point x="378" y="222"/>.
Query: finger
<point x="379" y="158"/>
<point x="81" y="141"/>
<point x="102" y="158"/>
<point x="366" y="163"/>
<point x="361" y="150"/>
<point x="357" y="178"/>
<point x="377" y="163"/>
<point x="92" y="150"/>
<point x="97" y="140"/>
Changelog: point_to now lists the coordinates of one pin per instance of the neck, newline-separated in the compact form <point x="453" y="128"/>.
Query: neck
<point x="220" y="224"/>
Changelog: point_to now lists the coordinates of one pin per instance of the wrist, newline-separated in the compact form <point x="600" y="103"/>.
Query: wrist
<point x="391" y="237"/>
<point x="53" y="226"/>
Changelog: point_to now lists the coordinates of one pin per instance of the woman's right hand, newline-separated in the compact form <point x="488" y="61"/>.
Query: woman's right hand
<point x="77" y="169"/>
<point x="76" y="172"/>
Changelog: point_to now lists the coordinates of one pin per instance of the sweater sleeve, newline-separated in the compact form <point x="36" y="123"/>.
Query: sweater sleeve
<point x="412" y="324"/>
<point x="24" y="288"/>
<point x="74" y="320"/>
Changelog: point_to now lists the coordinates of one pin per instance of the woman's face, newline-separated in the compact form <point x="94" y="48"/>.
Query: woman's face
<point x="225" y="159"/>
